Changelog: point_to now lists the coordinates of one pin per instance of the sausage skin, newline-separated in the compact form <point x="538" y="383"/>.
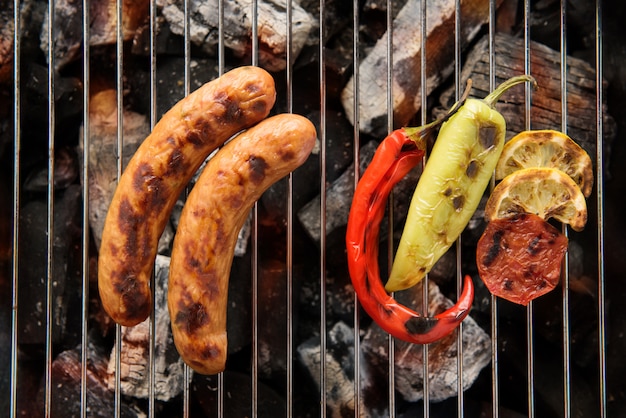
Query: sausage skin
<point x="215" y="210"/>
<point x="157" y="174"/>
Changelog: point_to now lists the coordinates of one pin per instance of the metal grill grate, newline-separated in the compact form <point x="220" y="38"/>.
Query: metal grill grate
<point x="32" y="385"/>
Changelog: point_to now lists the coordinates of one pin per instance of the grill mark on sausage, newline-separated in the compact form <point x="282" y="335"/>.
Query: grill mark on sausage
<point x="232" y="111"/>
<point x="211" y="351"/>
<point x="200" y="132"/>
<point x="126" y="284"/>
<point x="137" y="245"/>
<point x="151" y="188"/>
<point x="286" y="154"/>
<point x="176" y="163"/>
<point x="257" y="166"/>
<point x="191" y="317"/>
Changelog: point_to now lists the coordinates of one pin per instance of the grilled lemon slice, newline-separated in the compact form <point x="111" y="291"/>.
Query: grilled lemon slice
<point x="544" y="191"/>
<point x="547" y="148"/>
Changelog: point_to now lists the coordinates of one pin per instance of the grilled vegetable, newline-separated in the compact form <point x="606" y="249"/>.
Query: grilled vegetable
<point x="543" y="176"/>
<point x="157" y="174"/>
<point x="449" y="190"/>
<point x="519" y="257"/>
<point x="396" y="155"/>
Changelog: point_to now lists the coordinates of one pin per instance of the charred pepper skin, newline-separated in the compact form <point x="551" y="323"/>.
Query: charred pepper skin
<point x="449" y="190"/>
<point x="397" y="154"/>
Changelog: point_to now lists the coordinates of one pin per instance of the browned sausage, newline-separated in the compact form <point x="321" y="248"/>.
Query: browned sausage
<point x="214" y="212"/>
<point x="157" y="174"/>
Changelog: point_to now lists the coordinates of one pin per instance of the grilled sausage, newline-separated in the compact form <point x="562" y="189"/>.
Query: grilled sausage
<point x="214" y="212"/>
<point x="157" y="174"/>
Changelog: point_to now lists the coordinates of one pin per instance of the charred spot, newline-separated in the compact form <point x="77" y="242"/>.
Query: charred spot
<point x="147" y="184"/>
<point x="259" y="106"/>
<point x="253" y="88"/>
<point x="542" y="284"/>
<point x="458" y="202"/>
<point x="420" y="324"/>
<point x="211" y="351"/>
<point x="257" y="165"/>
<point x="136" y="303"/>
<point x="234" y="201"/>
<point x="191" y="317"/>
<point x="447" y="192"/>
<point x="507" y="284"/>
<point x="487" y="136"/>
<point x="472" y="169"/>
<point x="130" y="222"/>
<point x="200" y="132"/>
<point x="232" y="111"/>
<point x="286" y="155"/>
<point x="494" y="249"/>
<point x="143" y="175"/>
<point x="176" y="163"/>
<point x="533" y="245"/>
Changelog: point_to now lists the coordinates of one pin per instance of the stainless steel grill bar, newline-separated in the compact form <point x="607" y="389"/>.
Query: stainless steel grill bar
<point x="459" y="275"/>
<point x="290" y="218"/>
<point x="423" y="120"/>
<point x="530" y="332"/>
<point x="84" y="351"/>
<point x="495" y="392"/>
<point x="390" y="250"/>
<point x="566" y="264"/>
<point x="600" y="207"/>
<point x="323" y="199"/>
<point x="50" y="277"/>
<point x="17" y="199"/>
<point x="356" y="159"/>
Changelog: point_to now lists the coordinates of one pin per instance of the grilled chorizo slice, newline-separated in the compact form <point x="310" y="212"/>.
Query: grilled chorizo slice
<point x="215" y="210"/>
<point x="157" y="174"/>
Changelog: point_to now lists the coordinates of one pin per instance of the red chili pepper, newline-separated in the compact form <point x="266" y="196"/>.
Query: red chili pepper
<point x="396" y="155"/>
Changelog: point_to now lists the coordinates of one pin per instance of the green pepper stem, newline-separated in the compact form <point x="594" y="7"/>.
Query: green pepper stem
<point x="494" y="96"/>
<point x="418" y="133"/>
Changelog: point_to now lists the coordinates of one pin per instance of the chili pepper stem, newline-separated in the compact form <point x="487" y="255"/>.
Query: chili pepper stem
<point x="493" y="97"/>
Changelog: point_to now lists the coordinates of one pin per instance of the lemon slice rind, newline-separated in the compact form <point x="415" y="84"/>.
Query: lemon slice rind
<point x="547" y="148"/>
<point x="544" y="191"/>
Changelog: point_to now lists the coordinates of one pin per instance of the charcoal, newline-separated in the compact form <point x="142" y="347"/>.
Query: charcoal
<point x="65" y="172"/>
<point x="66" y="387"/>
<point x="237" y="396"/>
<point x="441" y="354"/>
<point x="407" y="62"/>
<point x="339" y="368"/>
<point x="272" y="17"/>
<point x="134" y="357"/>
<point x="33" y="242"/>
<point x="67" y="30"/>
<point x="272" y="320"/>
<point x="5" y="338"/>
